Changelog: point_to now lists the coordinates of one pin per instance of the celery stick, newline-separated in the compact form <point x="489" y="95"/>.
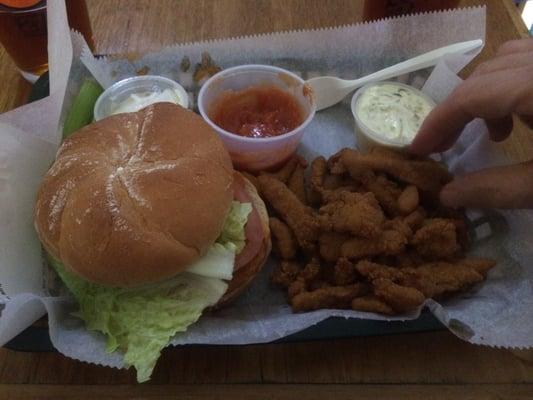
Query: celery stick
<point x="81" y="112"/>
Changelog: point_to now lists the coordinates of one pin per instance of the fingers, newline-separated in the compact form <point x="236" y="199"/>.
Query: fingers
<point x="515" y="46"/>
<point x="500" y="187"/>
<point x="500" y="129"/>
<point x="528" y="120"/>
<point x="441" y="128"/>
<point x="493" y="96"/>
<point x="506" y="62"/>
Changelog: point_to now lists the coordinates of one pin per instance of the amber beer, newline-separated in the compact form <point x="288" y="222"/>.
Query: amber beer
<point x="23" y="32"/>
<point x="376" y="9"/>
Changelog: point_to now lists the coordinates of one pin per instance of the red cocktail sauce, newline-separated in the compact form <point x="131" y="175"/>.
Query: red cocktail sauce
<point x="257" y="112"/>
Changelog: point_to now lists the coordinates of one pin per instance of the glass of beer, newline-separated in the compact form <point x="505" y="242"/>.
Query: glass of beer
<point x="23" y="32"/>
<point x="377" y="9"/>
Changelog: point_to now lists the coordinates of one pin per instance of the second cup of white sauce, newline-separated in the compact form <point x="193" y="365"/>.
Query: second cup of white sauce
<point x="388" y="114"/>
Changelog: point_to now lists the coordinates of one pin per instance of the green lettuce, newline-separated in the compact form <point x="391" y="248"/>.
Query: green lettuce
<point x="233" y="231"/>
<point x="141" y="321"/>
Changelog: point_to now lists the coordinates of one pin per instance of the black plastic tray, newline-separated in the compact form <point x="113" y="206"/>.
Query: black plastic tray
<point x="36" y="338"/>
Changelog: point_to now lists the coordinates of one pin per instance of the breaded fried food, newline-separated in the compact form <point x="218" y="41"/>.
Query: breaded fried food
<point x="436" y="239"/>
<point x="433" y="280"/>
<point x="352" y="213"/>
<point x="385" y="191"/>
<point x="438" y="279"/>
<point x="300" y="218"/>
<point x="481" y="265"/>
<point x="373" y="238"/>
<point x="427" y="175"/>
<point x="371" y="303"/>
<point x="318" y="172"/>
<point x="398" y="224"/>
<point x="390" y="242"/>
<point x="400" y="298"/>
<point x="329" y="245"/>
<point x="416" y="218"/>
<point x="296" y="287"/>
<point x="327" y="297"/>
<point x="296" y="183"/>
<point x="344" y="272"/>
<point x="285" y="273"/>
<point x="388" y="286"/>
<point x="408" y="200"/>
<point x="316" y="181"/>
<point x="283" y="239"/>
<point x="284" y="173"/>
<point x="386" y="152"/>
<point x="311" y="272"/>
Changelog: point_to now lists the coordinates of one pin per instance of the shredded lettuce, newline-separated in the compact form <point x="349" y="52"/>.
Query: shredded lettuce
<point x="141" y="321"/>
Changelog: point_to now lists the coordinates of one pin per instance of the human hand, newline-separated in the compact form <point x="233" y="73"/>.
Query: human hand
<point x="497" y="89"/>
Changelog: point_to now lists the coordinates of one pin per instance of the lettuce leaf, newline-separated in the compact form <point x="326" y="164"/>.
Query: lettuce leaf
<point x="141" y="321"/>
<point x="233" y="230"/>
<point x="217" y="263"/>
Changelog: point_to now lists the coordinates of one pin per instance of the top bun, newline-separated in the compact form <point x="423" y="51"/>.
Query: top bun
<point x="135" y="198"/>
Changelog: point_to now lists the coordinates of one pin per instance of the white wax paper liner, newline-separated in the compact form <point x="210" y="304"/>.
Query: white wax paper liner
<point x="497" y="313"/>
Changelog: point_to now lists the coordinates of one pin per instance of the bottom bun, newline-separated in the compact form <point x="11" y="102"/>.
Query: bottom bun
<point x="244" y="275"/>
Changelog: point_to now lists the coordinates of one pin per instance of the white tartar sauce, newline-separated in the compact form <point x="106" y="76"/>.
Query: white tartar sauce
<point x="136" y="101"/>
<point x="394" y="112"/>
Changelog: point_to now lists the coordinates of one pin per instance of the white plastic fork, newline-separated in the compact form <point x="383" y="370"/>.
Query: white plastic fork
<point x="329" y="90"/>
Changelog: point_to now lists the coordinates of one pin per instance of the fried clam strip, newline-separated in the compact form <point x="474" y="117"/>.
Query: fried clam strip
<point x="358" y="214"/>
<point x="309" y="278"/>
<point x="285" y="172"/>
<point x="344" y="272"/>
<point x="391" y="241"/>
<point x="400" y="298"/>
<point x="328" y="297"/>
<point x="408" y="200"/>
<point x="404" y="289"/>
<point x="436" y="239"/>
<point x="371" y="303"/>
<point x="316" y="180"/>
<point x="415" y="219"/>
<point x="285" y="273"/>
<point x="330" y="244"/>
<point x="427" y="175"/>
<point x="300" y="218"/>
<point x="283" y="238"/>
<point x="296" y="183"/>
<point x="386" y="191"/>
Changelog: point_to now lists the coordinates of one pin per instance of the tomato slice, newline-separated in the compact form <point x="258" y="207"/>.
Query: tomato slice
<point x="253" y="228"/>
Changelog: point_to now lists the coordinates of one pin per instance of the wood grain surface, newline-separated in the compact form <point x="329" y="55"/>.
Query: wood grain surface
<point x="412" y="366"/>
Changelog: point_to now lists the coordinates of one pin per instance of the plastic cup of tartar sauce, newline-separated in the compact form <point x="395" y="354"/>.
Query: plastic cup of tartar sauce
<point x="133" y="94"/>
<point x="257" y="153"/>
<point x="388" y="114"/>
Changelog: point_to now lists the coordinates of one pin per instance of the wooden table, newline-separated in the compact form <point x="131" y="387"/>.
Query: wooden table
<point x="426" y="365"/>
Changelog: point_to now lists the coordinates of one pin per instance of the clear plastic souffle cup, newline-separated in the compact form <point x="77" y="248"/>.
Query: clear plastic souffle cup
<point x="138" y="92"/>
<point x="249" y="153"/>
<point x="368" y="138"/>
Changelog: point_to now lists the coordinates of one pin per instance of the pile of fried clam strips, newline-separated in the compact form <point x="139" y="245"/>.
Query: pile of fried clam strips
<point x="367" y="232"/>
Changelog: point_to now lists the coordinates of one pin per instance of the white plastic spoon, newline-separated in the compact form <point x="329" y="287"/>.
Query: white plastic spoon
<point x="329" y="90"/>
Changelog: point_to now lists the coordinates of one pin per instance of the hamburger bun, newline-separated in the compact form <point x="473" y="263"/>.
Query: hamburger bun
<point x="136" y="198"/>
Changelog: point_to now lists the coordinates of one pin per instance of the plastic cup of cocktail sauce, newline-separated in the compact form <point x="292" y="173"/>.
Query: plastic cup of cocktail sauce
<point x="257" y="153"/>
